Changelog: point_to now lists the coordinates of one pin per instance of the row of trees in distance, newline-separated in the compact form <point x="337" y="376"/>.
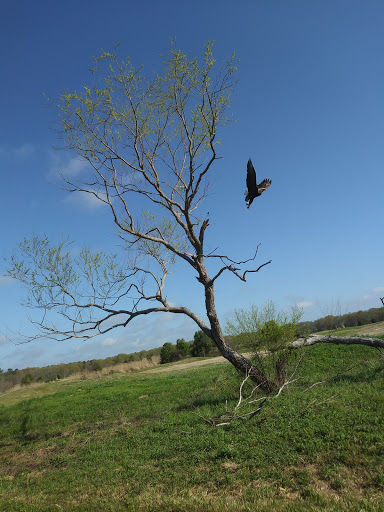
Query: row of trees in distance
<point x="332" y="322"/>
<point x="14" y="377"/>
<point x="200" y="346"/>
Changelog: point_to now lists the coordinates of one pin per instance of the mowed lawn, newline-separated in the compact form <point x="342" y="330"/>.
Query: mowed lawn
<point x="138" y="442"/>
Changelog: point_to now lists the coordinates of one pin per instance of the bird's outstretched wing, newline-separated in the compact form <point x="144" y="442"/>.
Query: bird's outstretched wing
<point x="263" y="185"/>
<point x="254" y="189"/>
<point x="251" y="180"/>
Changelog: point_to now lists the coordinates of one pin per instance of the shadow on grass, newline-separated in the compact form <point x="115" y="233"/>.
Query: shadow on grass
<point x="365" y="375"/>
<point x="201" y="401"/>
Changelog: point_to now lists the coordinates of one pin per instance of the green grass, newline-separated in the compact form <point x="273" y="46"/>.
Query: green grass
<point x="375" y="330"/>
<point x="134" y="443"/>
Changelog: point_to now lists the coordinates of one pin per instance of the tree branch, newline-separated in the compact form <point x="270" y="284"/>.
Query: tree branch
<point x="338" y="340"/>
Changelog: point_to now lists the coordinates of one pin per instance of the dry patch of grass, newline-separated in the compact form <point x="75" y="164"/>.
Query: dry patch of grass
<point x="376" y="329"/>
<point x="121" y="368"/>
<point x="31" y="461"/>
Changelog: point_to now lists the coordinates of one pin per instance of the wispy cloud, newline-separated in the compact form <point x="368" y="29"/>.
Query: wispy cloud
<point x="21" y="152"/>
<point x="373" y="294"/>
<point x="300" y="301"/>
<point x="305" y="304"/>
<point x="85" y="200"/>
<point x="109" y="342"/>
<point x="62" y="169"/>
<point x="68" y="167"/>
<point x="6" y="280"/>
<point x="365" y="301"/>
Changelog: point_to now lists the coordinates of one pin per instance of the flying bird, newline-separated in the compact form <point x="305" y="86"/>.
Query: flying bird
<point x="254" y="190"/>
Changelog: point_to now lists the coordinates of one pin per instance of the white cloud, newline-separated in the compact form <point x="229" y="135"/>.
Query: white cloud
<point x="299" y="301"/>
<point x="21" y="152"/>
<point x="85" y="200"/>
<point x="69" y="167"/>
<point x="365" y="301"/>
<point x="373" y="294"/>
<point x="75" y="166"/>
<point x="305" y="304"/>
<point x="109" y="341"/>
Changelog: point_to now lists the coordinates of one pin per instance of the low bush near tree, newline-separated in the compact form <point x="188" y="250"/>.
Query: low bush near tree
<point x="268" y="333"/>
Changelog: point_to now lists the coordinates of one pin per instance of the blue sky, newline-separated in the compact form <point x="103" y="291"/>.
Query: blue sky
<point x="310" y="112"/>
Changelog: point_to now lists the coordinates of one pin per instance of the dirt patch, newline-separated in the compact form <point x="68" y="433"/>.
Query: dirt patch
<point x="32" y="461"/>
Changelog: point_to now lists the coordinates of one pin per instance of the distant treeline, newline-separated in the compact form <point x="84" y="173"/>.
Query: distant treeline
<point x="200" y="346"/>
<point x="12" y="378"/>
<point x="331" y="322"/>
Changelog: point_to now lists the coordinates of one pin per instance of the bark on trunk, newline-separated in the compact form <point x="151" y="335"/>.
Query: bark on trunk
<point x="240" y="362"/>
<point x="339" y="340"/>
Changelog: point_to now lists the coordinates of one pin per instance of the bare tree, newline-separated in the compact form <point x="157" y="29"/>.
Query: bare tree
<point x="149" y="145"/>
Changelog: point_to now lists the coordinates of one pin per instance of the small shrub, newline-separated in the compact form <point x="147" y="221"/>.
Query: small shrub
<point x="268" y="333"/>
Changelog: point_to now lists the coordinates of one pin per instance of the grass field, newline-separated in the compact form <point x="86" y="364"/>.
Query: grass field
<point x="375" y="330"/>
<point x="134" y="442"/>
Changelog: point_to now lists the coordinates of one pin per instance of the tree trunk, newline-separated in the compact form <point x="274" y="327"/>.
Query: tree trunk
<point x="338" y="340"/>
<point x="240" y="362"/>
